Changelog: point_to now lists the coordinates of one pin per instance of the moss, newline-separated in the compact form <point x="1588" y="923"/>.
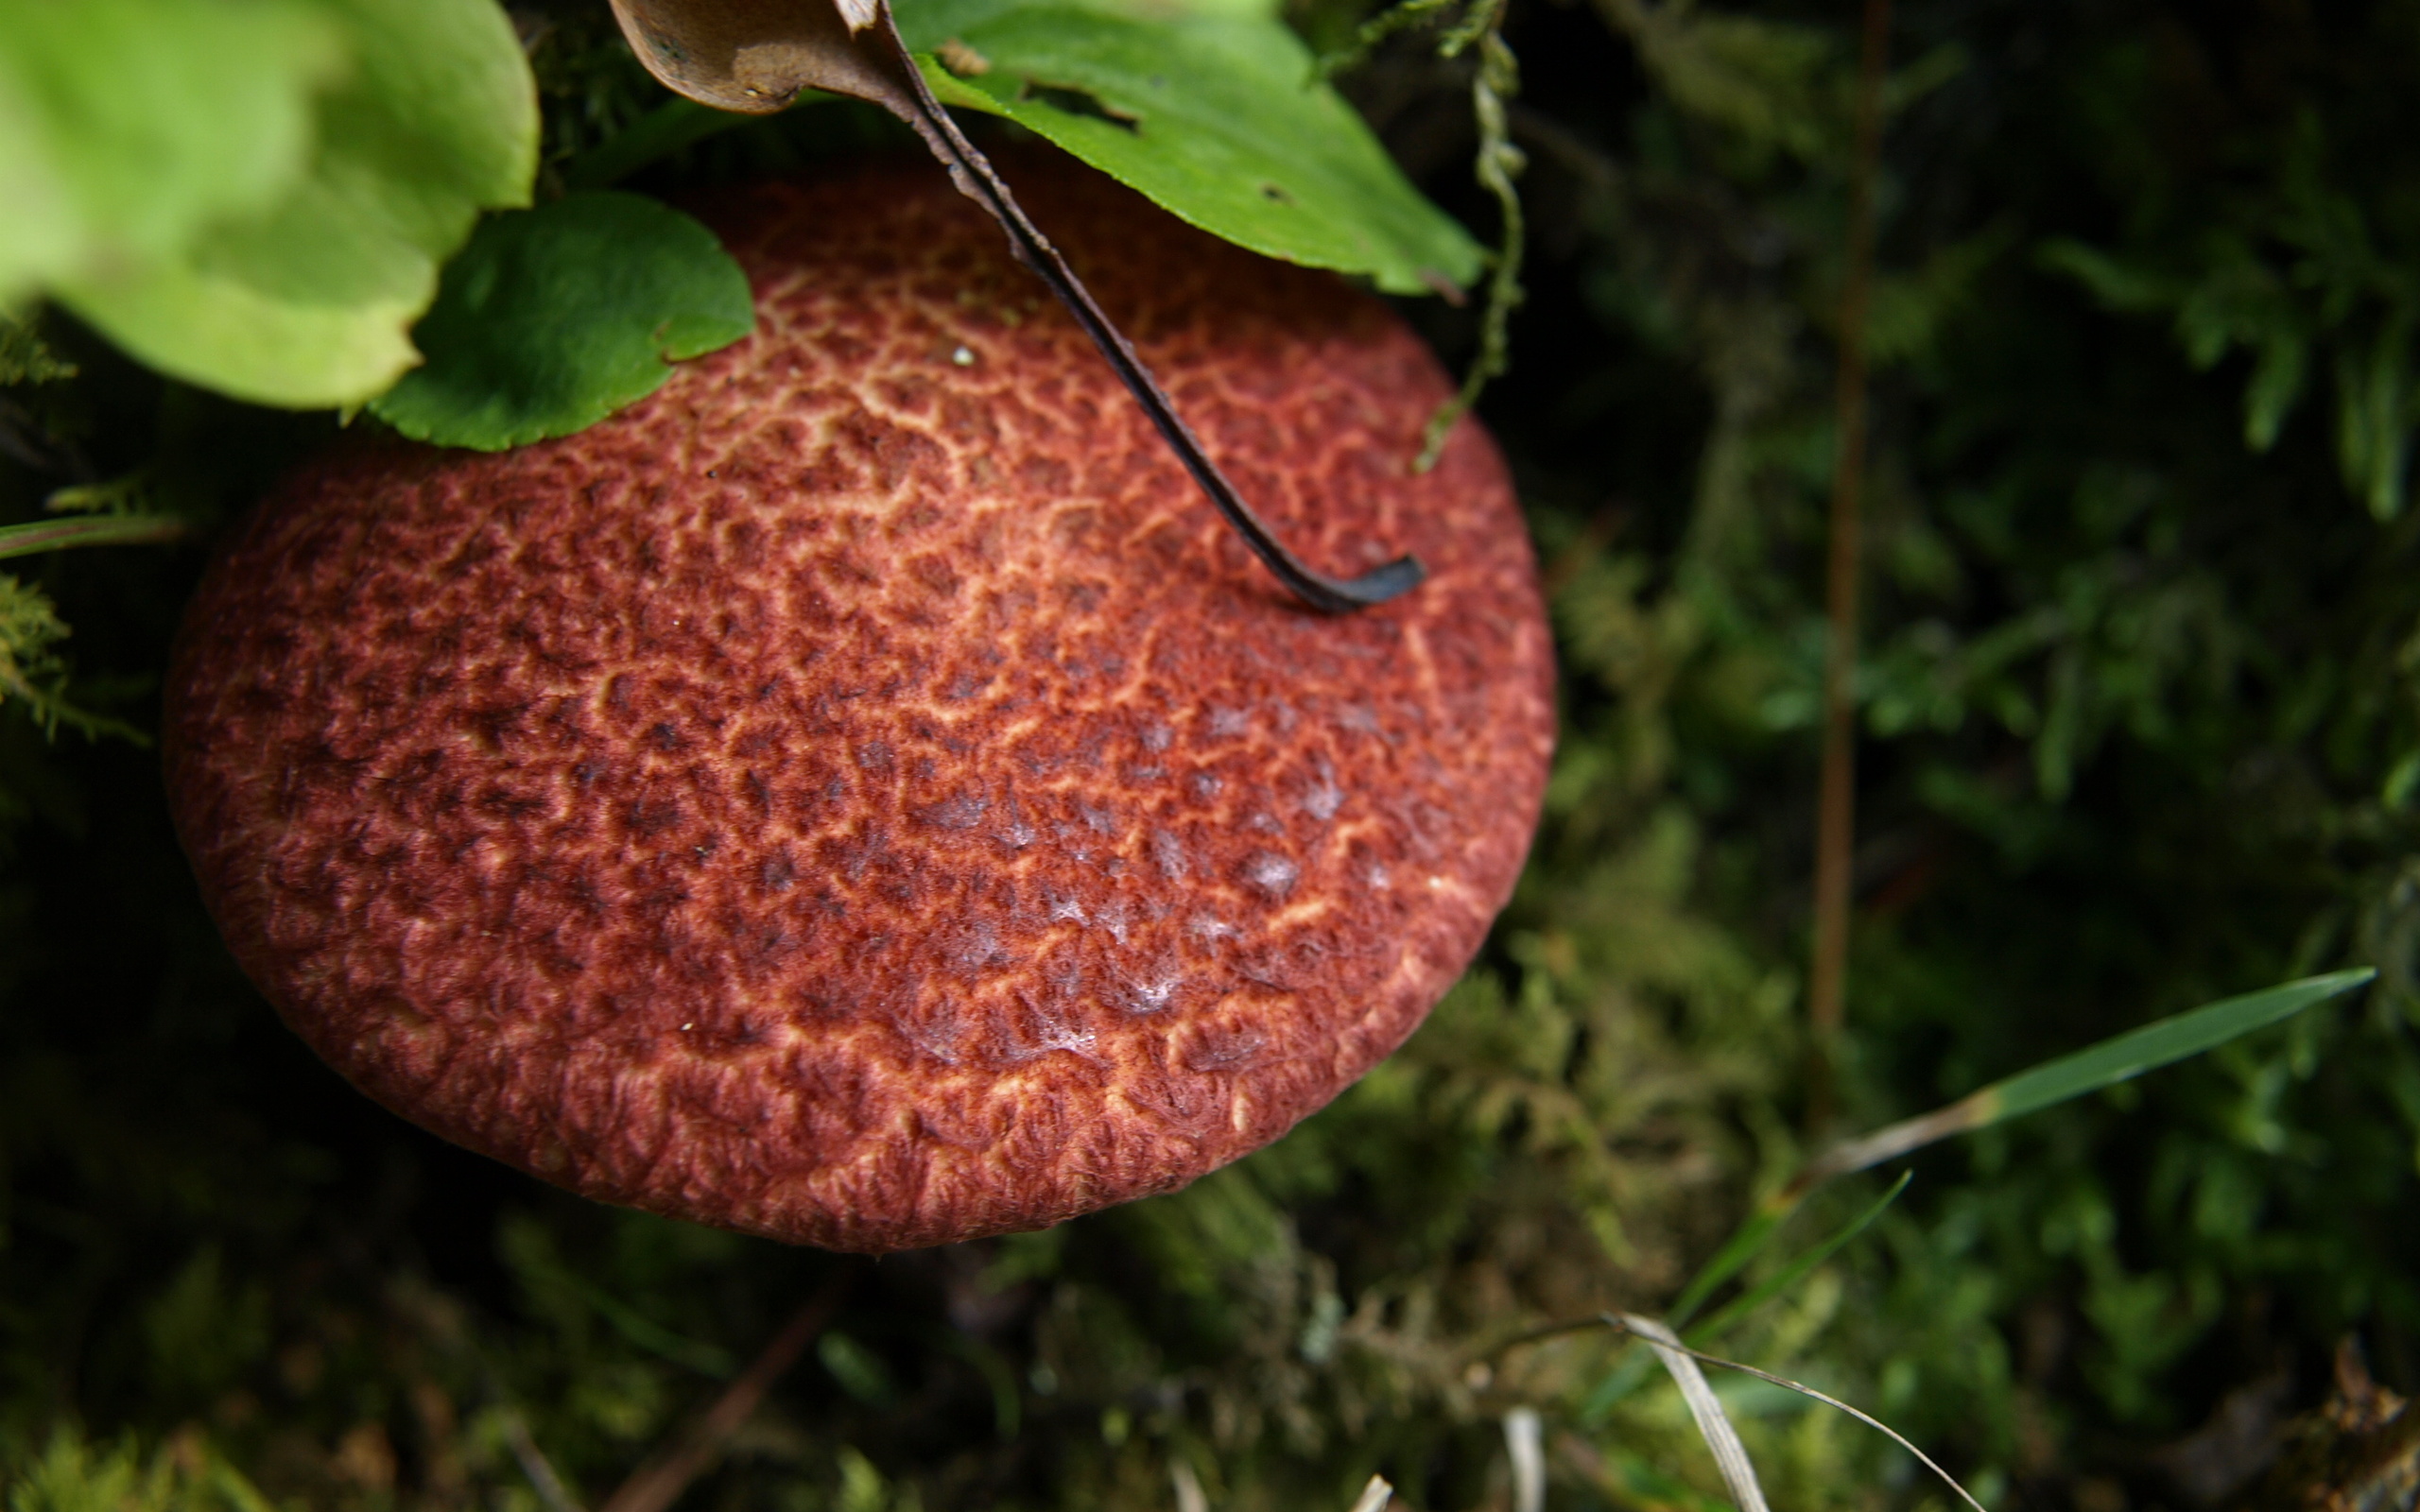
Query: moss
<point x="2142" y="731"/>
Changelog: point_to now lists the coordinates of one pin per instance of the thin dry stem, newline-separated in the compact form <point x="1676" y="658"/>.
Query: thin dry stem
<point x="1670" y="1345"/>
<point x="1714" y="1424"/>
<point x="1524" y="1443"/>
<point x="656" y="1484"/>
<point x="1836" y="812"/>
<point x="1374" y="1496"/>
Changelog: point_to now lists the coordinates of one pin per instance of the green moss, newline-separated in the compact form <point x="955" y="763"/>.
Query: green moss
<point x="2143" y="720"/>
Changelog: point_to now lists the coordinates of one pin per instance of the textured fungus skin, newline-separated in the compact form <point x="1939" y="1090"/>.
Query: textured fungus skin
<point x="863" y="795"/>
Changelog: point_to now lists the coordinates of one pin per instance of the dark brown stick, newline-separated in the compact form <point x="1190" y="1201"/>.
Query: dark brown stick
<point x="756" y="55"/>
<point x="656" y="1484"/>
<point x="979" y="181"/>
<point x="1836" y="807"/>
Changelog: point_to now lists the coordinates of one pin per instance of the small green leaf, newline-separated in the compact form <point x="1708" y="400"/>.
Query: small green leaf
<point x="1215" y="117"/>
<point x="553" y="318"/>
<point x="305" y="300"/>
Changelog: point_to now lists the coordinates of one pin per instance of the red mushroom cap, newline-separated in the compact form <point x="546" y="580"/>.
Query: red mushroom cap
<point x="863" y="794"/>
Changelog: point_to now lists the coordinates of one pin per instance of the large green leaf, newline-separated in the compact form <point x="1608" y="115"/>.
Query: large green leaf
<point x="126" y="125"/>
<point x="552" y="319"/>
<point x="1215" y="117"/>
<point x="308" y="301"/>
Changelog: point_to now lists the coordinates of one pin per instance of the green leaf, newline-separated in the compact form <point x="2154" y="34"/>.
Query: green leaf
<point x="306" y="300"/>
<point x="553" y="318"/>
<point x="127" y="126"/>
<point x="1215" y="117"/>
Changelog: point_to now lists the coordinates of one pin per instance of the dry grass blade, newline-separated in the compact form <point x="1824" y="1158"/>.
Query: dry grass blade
<point x="1668" y="1346"/>
<point x="1730" y="1455"/>
<point x="534" y="1464"/>
<point x="1524" y="1442"/>
<point x="1188" y="1488"/>
<point x="1836" y="791"/>
<point x="1374" y="1496"/>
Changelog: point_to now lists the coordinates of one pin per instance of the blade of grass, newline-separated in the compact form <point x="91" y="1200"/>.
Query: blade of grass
<point x="1797" y="1270"/>
<point x="1741" y="1248"/>
<point x="2118" y="1059"/>
<point x="1629" y="1480"/>
<point x="1008" y="1408"/>
<point x="1667" y="1344"/>
<point x="1714" y="1424"/>
<point x="644" y="1331"/>
<point x="1189" y="1497"/>
<point x="1635" y="1367"/>
<point x="1623" y="1379"/>
<point x="1524" y="1443"/>
<point x="89" y="530"/>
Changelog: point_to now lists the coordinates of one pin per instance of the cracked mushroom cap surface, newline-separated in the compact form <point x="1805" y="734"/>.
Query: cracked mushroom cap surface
<point x="863" y="794"/>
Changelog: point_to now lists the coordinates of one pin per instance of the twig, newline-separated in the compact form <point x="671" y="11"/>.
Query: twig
<point x="1836" y="808"/>
<point x="1374" y="1496"/>
<point x="656" y="1484"/>
<point x="853" y="47"/>
<point x="975" y="176"/>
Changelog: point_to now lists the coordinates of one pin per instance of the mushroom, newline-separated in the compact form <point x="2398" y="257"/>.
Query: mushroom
<point x="858" y="795"/>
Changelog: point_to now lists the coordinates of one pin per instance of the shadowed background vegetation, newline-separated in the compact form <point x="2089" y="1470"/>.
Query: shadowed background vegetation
<point x="2140" y="713"/>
